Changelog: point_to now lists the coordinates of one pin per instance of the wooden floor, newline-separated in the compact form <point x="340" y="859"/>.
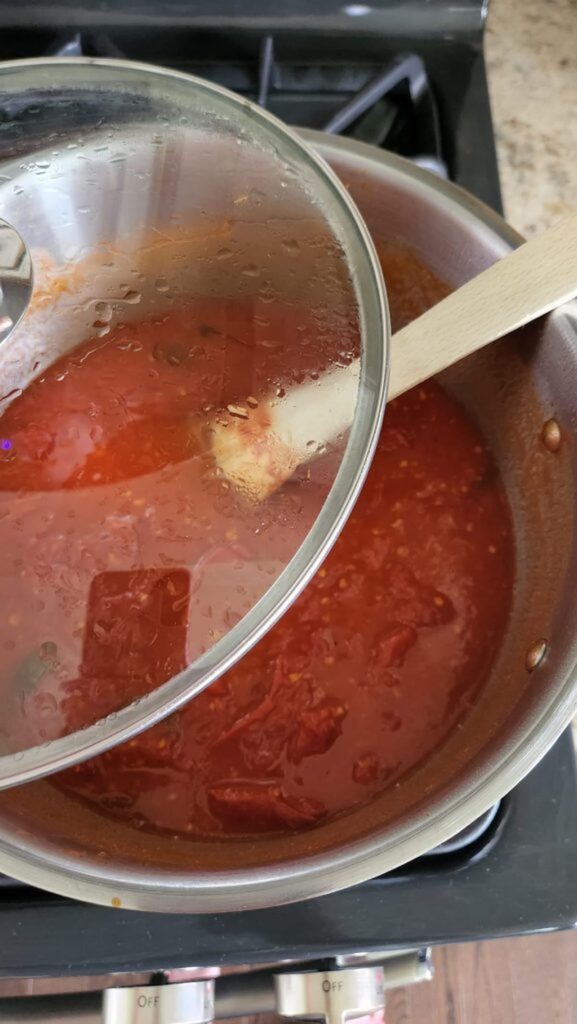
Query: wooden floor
<point x="513" y="981"/>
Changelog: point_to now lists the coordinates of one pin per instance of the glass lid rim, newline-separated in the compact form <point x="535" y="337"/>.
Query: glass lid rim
<point x="44" y="759"/>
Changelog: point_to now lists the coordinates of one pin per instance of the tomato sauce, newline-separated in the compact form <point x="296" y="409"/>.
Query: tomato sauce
<point x="382" y="655"/>
<point x="107" y="489"/>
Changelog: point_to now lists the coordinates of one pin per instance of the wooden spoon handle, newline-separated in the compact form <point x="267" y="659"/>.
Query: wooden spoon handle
<point x="260" y="454"/>
<point x="531" y="281"/>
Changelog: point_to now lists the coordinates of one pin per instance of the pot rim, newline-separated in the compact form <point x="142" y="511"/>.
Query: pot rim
<point x="323" y="873"/>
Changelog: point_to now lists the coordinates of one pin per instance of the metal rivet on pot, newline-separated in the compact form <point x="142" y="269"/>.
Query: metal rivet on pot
<point x="535" y="655"/>
<point x="551" y="435"/>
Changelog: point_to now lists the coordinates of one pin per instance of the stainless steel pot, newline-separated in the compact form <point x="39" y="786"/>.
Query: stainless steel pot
<point x="518" y="391"/>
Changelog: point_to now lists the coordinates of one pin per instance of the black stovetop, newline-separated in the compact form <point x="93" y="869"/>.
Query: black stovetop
<point x="319" y="65"/>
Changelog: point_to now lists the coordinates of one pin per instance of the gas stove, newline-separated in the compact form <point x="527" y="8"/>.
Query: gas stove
<point x="408" y="77"/>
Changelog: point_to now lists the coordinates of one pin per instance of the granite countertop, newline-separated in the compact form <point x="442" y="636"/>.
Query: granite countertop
<point x="531" y="51"/>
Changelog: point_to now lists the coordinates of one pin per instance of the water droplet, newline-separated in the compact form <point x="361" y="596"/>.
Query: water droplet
<point x="224" y="254"/>
<point x="291" y="171"/>
<point x="251" y="270"/>
<point x="535" y="654"/>
<point x="291" y="245"/>
<point x="103" y="311"/>
<point x="169" y="352"/>
<point x="132" y="296"/>
<point x="551" y="435"/>
<point x="238" y="410"/>
<point x="15" y="393"/>
<point x="161" y="284"/>
<point x="48" y="704"/>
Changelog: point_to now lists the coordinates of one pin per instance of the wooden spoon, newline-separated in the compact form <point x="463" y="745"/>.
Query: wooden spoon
<point x="260" y="447"/>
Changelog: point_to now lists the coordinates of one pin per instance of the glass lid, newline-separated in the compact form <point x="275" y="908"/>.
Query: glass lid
<point x="187" y="409"/>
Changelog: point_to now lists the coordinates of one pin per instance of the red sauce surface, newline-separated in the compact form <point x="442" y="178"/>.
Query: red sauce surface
<point x="123" y="554"/>
<point x="381" y="656"/>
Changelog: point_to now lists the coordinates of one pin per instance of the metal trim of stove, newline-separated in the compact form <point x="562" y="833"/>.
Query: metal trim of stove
<point x="325" y="990"/>
<point x="287" y="17"/>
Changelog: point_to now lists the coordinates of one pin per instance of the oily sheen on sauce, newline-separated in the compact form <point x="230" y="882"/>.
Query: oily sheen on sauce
<point x="383" y="654"/>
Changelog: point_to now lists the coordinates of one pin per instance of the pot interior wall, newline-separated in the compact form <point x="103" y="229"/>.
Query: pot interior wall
<point x="510" y="390"/>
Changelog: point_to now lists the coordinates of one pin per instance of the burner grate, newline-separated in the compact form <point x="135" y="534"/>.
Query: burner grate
<point x="391" y="105"/>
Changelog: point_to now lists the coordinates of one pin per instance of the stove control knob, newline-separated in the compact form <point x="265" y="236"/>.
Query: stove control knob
<point x="333" y="996"/>
<point x="187" y="1002"/>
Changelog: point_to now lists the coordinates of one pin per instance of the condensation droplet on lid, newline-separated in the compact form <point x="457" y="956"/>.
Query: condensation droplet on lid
<point x="536" y="654"/>
<point x="103" y="311"/>
<point x="161" y="284"/>
<point x="238" y="410"/>
<point x="291" y="245"/>
<point x="251" y="270"/>
<point x="223" y="254"/>
<point x="132" y="296"/>
<point x="48" y="705"/>
<point x="551" y="435"/>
